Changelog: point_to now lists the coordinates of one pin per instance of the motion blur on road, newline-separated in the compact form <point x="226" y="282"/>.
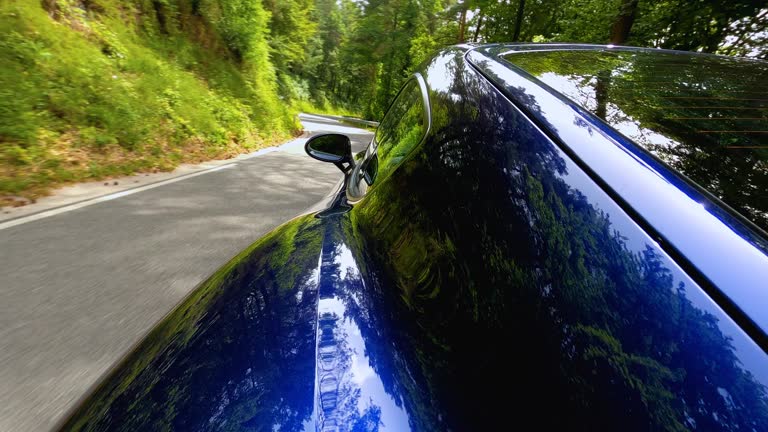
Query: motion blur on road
<point x="84" y="283"/>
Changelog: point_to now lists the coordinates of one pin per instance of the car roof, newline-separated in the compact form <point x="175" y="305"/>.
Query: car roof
<point x="704" y="116"/>
<point x="725" y="252"/>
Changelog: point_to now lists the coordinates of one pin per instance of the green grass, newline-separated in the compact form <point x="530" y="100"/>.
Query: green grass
<point x="309" y="107"/>
<point x="88" y="94"/>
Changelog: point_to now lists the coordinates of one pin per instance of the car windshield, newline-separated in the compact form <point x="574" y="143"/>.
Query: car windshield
<point x="705" y="116"/>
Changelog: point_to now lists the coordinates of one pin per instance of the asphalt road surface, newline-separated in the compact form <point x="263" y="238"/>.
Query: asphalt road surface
<point x="80" y="287"/>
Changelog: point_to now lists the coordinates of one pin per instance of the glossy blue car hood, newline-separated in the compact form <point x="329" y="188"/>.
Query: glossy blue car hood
<point x="278" y="339"/>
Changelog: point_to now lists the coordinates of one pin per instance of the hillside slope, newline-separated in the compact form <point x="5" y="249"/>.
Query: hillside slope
<point x="94" y="88"/>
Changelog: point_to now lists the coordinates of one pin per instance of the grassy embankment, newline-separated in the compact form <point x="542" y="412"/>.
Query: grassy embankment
<point x="101" y="88"/>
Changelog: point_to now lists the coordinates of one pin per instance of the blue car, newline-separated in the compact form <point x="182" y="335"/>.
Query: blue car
<point x="549" y="237"/>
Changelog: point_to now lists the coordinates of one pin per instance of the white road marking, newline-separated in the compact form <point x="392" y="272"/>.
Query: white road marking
<point x="86" y="203"/>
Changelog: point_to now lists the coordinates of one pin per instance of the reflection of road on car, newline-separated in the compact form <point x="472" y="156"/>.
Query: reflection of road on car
<point x="565" y="236"/>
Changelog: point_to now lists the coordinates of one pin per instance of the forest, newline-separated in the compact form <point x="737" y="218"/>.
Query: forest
<point x="100" y="88"/>
<point x="361" y="51"/>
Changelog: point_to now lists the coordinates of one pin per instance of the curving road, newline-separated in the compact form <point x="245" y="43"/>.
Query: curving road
<point x="80" y="285"/>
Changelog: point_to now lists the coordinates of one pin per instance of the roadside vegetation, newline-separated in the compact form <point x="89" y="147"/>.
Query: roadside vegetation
<point x="97" y="88"/>
<point x="92" y="89"/>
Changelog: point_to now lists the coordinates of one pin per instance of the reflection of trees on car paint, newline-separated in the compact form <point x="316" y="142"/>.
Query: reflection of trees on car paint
<point x="489" y="261"/>
<point x="402" y="129"/>
<point x="243" y="352"/>
<point x="344" y="388"/>
<point x="706" y="117"/>
<point x="486" y="280"/>
<point x="237" y="355"/>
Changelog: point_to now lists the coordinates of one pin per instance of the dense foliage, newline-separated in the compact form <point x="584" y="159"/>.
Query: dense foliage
<point x="103" y="87"/>
<point x="364" y="50"/>
<point x="93" y="88"/>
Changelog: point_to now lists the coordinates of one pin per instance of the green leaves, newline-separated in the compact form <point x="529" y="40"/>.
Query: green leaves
<point x="97" y="74"/>
<point x="242" y="24"/>
<point x="88" y="92"/>
<point x="362" y="52"/>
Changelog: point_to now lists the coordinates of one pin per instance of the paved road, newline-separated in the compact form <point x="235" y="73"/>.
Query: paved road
<point x="79" y="288"/>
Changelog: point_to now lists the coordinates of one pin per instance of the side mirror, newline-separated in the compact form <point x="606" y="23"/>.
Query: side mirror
<point x="334" y="148"/>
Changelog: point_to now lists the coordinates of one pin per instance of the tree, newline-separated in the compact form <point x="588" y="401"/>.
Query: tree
<point x="623" y="22"/>
<point x="290" y="29"/>
<point x="518" y="20"/>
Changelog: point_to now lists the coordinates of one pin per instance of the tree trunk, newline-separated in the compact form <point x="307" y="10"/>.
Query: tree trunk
<point x="477" y="29"/>
<point x="462" y="25"/>
<point x="623" y="22"/>
<point x="519" y="20"/>
<point x="601" y="93"/>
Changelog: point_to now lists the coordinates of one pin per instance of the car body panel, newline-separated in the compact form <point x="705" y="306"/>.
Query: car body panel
<point x="731" y="258"/>
<point x="487" y="282"/>
<point x="273" y="340"/>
